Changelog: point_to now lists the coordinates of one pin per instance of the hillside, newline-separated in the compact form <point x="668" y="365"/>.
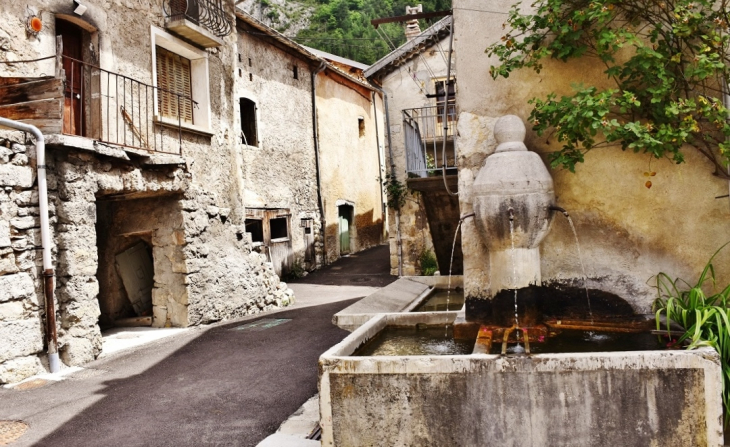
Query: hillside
<point x="340" y="27"/>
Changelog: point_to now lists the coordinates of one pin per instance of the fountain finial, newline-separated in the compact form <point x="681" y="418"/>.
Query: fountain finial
<point x="509" y="131"/>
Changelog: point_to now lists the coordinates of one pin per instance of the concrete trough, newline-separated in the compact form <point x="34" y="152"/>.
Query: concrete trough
<point x="640" y="398"/>
<point x="402" y="295"/>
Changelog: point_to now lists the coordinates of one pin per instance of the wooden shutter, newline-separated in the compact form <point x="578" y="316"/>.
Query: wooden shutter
<point x="175" y="91"/>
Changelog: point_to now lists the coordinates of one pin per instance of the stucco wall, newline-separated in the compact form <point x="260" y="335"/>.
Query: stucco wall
<point x="350" y="163"/>
<point x="407" y="86"/>
<point x="627" y="233"/>
<point x="280" y="172"/>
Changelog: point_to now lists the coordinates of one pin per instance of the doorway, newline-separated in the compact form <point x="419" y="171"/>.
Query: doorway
<point x="72" y="37"/>
<point x="344" y="213"/>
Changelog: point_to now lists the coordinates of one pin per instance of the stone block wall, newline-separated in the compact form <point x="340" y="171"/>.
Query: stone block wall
<point x="21" y="295"/>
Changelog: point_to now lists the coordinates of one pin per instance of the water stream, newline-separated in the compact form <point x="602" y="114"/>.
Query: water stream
<point x="517" y="349"/>
<point x="582" y="266"/>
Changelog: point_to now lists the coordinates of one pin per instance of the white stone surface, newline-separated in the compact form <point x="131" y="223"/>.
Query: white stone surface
<point x="16" y="287"/>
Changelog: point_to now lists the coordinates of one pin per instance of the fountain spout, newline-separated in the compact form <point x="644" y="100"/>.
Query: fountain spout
<point x="511" y="212"/>
<point x="560" y="209"/>
<point x="466" y="216"/>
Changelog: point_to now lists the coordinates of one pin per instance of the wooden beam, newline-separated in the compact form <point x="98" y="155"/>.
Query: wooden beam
<point x="424" y="15"/>
<point x="31" y="91"/>
<point x="43" y="109"/>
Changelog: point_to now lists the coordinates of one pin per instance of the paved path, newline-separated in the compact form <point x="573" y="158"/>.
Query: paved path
<point x="231" y="383"/>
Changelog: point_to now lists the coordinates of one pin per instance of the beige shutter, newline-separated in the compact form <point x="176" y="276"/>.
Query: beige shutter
<point x="173" y="79"/>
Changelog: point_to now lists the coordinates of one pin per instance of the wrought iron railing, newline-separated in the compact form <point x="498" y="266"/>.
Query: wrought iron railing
<point x="424" y="137"/>
<point x="115" y="109"/>
<point x="207" y="13"/>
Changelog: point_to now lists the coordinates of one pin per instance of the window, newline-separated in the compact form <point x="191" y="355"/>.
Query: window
<point x="174" y="97"/>
<point x="440" y="88"/>
<point x="361" y="125"/>
<point x="248" y="122"/>
<point x="296" y="72"/>
<point x="180" y="69"/>
<point x="255" y="227"/>
<point x="279" y="228"/>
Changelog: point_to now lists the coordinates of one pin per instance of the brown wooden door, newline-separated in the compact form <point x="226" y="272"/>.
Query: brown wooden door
<point x="72" y="37"/>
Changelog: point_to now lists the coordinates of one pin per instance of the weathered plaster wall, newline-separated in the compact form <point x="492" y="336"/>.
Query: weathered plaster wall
<point x="350" y="164"/>
<point x="407" y="87"/>
<point x="627" y="233"/>
<point x="280" y="172"/>
<point x="209" y="272"/>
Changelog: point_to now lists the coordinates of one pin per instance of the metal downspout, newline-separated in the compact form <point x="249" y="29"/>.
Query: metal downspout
<point x="48" y="274"/>
<point x="315" y="134"/>
<point x="446" y="108"/>
<point x="398" y="240"/>
<point x="380" y="163"/>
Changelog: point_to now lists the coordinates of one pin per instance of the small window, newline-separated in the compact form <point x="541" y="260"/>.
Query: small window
<point x="173" y="80"/>
<point x="361" y="125"/>
<point x="296" y="72"/>
<point x="248" y="122"/>
<point x="279" y="228"/>
<point x="255" y="227"/>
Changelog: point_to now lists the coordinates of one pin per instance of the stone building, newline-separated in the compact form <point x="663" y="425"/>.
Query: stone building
<point x="310" y="150"/>
<point x="143" y="163"/>
<point x="414" y="78"/>
<point x="627" y="232"/>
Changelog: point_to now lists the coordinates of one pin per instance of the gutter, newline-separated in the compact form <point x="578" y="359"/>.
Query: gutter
<point x="398" y="239"/>
<point x="48" y="274"/>
<point x="315" y="135"/>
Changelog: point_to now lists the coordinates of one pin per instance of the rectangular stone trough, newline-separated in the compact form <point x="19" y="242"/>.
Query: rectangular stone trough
<point x="640" y="398"/>
<point x="403" y="295"/>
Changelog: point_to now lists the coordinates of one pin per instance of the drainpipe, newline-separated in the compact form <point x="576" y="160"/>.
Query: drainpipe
<point x="315" y="133"/>
<point x="380" y="163"/>
<point x="40" y="145"/>
<point x="446" y="108"/>
<point x="398" y="240"/>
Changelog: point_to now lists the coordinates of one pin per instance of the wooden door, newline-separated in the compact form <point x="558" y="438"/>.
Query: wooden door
<point x="344" y="217"/>
<point x="72" y="37"/>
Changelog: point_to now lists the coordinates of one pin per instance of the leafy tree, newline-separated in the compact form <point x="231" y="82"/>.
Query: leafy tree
<point x="667" y="62"/>
<point x="343" y="27"/>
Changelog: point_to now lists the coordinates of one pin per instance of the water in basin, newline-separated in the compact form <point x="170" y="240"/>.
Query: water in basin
<point x="442" y="300"/>
<point x="415" y="341"/>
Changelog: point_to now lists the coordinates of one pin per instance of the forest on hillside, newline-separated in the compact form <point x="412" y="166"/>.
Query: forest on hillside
<point x="342" y="27"/>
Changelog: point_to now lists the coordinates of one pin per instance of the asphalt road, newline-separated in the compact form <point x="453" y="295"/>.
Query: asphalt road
<point x="225" y="384"/>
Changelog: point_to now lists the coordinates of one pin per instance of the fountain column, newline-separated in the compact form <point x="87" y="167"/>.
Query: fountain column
<point x="513" y="184"/>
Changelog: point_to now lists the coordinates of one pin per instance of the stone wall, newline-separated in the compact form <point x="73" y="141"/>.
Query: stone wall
<point x="21" y="293"/>
<point x="627" y="232"/>
<point x="279" y="172"/>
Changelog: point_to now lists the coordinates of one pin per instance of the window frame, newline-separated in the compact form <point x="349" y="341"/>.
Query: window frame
<point x="199" y="80"/>
<point x="257" y="140"/>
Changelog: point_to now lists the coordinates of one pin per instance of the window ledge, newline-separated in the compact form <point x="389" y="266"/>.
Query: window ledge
<point x="170" y="122"/>
<point x="280" y="239"/>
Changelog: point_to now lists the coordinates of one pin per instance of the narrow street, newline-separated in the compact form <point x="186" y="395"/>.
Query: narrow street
<point x="231" y="383"/>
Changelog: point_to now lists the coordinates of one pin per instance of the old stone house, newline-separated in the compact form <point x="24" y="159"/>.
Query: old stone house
<point x="414" y="78"/>
<point x="310" y="134"/>
<point x="627" y="232"/>
<point x="144" y="187"/>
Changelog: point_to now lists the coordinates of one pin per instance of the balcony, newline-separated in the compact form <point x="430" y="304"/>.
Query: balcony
<point x="93" y="107"/>
<point x="424" y="138"/>
<point x="202" y="22"/>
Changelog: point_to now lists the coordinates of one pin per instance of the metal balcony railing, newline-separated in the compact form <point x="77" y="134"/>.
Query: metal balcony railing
<point x="207" y="13"/>
<point x="424" y="137"/>
<point x="116" y="109"/>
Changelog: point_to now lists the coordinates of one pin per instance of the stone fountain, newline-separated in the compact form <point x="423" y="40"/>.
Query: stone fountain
<point x="638" y="398"/>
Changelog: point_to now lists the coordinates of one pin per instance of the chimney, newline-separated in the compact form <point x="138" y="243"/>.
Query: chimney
<point x="412" y="28"/>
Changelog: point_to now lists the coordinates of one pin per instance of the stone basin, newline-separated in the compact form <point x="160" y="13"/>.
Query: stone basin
<point x="639" y="398"/>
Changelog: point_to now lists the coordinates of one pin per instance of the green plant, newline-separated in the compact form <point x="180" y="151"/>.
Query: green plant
<point x="395" y="190"/>
<point x="429" y="264"/>
<point x="296" y="271"/>
<point x="705" y="319"/>
<point x="667" y="63"/>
